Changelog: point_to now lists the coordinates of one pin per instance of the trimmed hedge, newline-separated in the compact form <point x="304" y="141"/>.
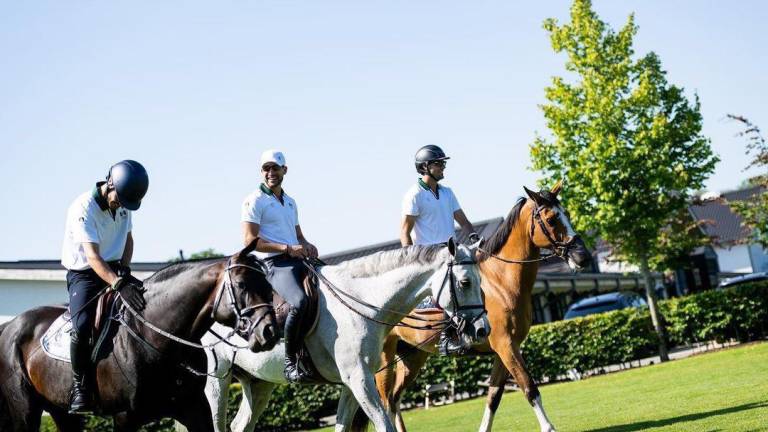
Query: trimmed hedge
<point x="739" y="313"/>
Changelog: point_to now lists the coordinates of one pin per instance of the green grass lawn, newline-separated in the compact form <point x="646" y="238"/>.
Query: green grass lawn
<point x="721" y="391"/>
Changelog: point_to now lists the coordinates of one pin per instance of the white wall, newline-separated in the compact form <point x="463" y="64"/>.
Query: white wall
<point x="17" y="296"/>
<point x="734" y="259"/>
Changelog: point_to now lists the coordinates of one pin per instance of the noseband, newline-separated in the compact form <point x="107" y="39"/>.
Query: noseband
<point x="244" y="324"/>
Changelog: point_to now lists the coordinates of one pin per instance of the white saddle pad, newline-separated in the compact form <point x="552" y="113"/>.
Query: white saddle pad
<point x="55" y="341"/>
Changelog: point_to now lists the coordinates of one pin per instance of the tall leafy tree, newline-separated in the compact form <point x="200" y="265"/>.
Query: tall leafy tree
<point x="754" y="211"/>
<point x="628" y="143"/>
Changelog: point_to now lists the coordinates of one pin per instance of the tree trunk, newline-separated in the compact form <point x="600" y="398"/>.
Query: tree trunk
<point x="650" y="294"/>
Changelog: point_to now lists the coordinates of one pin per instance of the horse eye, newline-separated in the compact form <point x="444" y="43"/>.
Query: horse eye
<point x="552" y="220"/>
<point x="465" y="283"/>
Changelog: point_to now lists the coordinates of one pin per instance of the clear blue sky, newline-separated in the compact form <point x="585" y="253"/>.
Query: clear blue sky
<point x="349" y="91"/>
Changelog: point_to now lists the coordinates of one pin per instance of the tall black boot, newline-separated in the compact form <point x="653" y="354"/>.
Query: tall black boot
<point x="450" y="343"/>
<point x="80" y="398"/>
<point x="293" y="343"/>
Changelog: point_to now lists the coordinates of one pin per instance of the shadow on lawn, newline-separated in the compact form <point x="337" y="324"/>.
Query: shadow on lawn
<point x="679" y="419"/>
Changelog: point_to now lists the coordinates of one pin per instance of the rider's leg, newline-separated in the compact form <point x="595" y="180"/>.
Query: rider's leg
<point x="287" y="279"/>
<point x="82" y="286"/>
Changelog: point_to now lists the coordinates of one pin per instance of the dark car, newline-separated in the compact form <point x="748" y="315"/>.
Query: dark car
<point x="604" y="303"/>
<point x="752" y="277"/>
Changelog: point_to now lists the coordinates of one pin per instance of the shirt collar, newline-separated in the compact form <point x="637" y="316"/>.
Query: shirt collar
<point x="269" y="192"/>
<point x="100" y="200"/>
<point x="426" y="187"/>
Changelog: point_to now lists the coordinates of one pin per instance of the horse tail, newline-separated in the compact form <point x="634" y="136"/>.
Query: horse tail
<point x="359" y="421"/>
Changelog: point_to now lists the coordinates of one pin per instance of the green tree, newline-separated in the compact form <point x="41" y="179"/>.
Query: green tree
<point x="629" y="143"/>
<point x="754" y="211"/>
<point x="205" y="253"/>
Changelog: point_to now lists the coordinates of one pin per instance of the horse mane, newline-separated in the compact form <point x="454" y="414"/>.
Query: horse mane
<point x="382" y="262"/>
<point x="177" y="268"/>
<point x="497" y="240"/>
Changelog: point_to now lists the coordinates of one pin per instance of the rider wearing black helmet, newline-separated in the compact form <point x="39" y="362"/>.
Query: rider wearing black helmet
<point x="97" y="250"/>
<point x="429" y="212"/>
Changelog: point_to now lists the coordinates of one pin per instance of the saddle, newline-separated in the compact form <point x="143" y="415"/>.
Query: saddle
<point x="56" y="340"/>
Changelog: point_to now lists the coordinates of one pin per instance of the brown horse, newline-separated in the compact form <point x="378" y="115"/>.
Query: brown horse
<point x="509" y="262"/>
<point x="147" y="375"/>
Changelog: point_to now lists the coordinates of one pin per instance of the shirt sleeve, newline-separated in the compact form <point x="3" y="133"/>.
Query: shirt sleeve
<point x="410" y="204"/>
<point x="454" y="203"/>
<point x="130" y="221"/>
<point x="84" y="228"/>
<point x="251" y="211"/>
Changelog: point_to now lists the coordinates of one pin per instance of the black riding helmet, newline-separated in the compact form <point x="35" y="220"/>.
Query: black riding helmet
<point x="427" y="154"/>
<point x="130" y="181"/>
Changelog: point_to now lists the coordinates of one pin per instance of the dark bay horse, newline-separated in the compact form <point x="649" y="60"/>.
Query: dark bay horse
<point x="508" y="268"/>
<point x="147" y="375"/>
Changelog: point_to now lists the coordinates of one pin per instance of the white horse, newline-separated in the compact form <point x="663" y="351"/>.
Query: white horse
<point x="345" y="346"/>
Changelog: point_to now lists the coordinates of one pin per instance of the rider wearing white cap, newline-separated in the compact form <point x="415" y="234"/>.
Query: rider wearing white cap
<point x="270" y="215"/>
<point x="429" y="210"/>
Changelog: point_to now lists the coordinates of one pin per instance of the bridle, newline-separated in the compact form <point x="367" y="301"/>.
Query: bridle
<point x="457" y="321"/>
<point x="559" y="248"/>
<point x="244" y="324"/>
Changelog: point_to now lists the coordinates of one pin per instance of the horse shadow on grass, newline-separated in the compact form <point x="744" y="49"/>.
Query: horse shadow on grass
<point x="643" y="425"/>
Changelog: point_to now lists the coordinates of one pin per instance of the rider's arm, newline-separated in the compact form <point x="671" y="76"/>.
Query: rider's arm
<point x="98" y="264"/>
<point x="461" y="218"/>
<point x="311" y="249"/>
<point x="128" y="251"/>
<point x="251" y="231"/>
<point x="405" y="230"/>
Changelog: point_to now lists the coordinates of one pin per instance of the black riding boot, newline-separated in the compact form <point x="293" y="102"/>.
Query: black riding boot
<point x="293" y="342"/>
<point x="80" y="398"/>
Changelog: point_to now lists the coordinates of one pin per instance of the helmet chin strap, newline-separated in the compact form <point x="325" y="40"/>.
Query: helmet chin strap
<point x="429" y="174"/>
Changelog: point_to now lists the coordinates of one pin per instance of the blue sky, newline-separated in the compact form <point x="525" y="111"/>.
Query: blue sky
<point x="348" y="90"/>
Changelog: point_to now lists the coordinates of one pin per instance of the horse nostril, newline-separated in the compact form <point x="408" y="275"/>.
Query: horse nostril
<point x="481" y="333"/>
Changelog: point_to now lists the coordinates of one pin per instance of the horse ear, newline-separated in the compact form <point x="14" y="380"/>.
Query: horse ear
<point x="534" y="196"/>
<point x="452" y="247"/>
<point x="557" y="187"/>
<point x="248" y="249"/>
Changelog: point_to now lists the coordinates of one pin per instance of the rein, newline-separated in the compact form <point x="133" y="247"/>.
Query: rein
<point x="456" y="321"/>
<point x="560" y="249"/>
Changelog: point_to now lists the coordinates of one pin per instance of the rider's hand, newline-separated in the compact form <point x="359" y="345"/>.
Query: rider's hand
<point x="130" y="293"/>
<point x="311" y="250"/>
<point x="297" y="251"/>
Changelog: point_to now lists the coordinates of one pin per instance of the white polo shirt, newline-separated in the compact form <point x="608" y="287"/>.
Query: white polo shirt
<point x="277" y="221"/>
<point x="89" y="220"/>
<point x="434" y="213"/>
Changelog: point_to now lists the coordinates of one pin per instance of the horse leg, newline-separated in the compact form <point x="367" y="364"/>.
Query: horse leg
<point x="346" y="411"/>
<point x="386" y="379"/>
<point x="499" y="375"/>
<point x="363" y="387"/>
<point x="195" y="414"/>
<point x="66" y="422"/>
<point x="22" y="412"/>
<point x="256" y="395"/>
<point x="217" y="395"/>
<point x="512" y="358"/>
<point x="407" y="372"/>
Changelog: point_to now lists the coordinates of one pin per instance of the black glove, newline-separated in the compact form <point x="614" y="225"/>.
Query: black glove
<point x="130" y="293"/>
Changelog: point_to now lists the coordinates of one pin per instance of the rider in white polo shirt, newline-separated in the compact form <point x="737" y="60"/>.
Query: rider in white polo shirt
<point x="270" y="215"/>
<point x="429" y="210"/>
<point x="98" y="246"/>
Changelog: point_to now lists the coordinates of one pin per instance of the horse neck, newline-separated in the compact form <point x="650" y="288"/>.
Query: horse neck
<point x="513" y="281"/>
<point x="181" y="305"/>
<point x="396" y="292"/>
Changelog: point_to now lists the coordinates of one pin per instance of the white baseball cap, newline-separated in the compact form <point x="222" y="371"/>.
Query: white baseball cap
<point x="274" y="156"/>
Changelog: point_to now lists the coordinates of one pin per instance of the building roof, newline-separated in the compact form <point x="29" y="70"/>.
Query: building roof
<point x="724" y="225"/>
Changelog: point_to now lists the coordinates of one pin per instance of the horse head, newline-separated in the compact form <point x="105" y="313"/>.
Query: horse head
<point x="457" y="291"/>
<point x="248" y="296"/>
<point x="551" y="228"/>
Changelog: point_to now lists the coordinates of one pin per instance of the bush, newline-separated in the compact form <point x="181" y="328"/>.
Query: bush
<point x="738" y="313"/>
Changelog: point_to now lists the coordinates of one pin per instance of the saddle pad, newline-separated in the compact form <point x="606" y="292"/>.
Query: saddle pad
<point x="56" y="340"/>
